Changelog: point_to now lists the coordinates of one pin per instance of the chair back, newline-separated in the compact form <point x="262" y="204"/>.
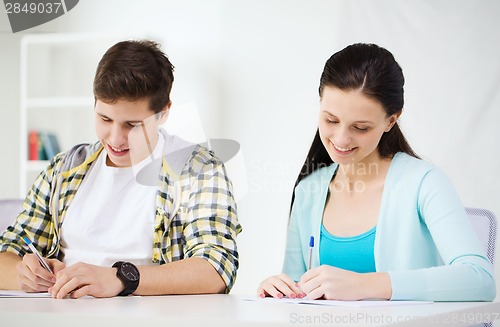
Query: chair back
<point x="485" y="224"/>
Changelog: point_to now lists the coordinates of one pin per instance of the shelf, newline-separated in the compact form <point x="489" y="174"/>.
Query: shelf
<point x="60" y="102"/>
<point x="51" y="95"/>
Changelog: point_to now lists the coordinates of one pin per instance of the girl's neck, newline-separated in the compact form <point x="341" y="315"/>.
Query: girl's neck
<point x="372" y="168"/>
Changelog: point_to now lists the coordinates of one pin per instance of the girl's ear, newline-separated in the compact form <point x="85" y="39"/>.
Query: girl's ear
<point x="392" y="120"/>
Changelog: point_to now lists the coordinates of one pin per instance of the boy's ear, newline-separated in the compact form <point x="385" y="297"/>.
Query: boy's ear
<point x="163" y="115"/>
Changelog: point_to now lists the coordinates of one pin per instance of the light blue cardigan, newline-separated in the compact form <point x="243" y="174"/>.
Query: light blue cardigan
<point x="421" y="224"/>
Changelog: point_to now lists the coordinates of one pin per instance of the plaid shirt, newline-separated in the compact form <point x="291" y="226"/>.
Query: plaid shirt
<point x="195" y="208"/>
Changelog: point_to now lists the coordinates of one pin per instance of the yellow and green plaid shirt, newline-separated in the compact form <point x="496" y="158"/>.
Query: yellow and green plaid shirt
<point x="195" y="208"/>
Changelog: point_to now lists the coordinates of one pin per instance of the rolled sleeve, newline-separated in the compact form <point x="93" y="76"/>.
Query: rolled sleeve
<point x="212" y="224"/>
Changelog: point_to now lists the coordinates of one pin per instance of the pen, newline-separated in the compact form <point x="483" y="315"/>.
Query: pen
<point x="311" y="247"/>
<point x="37" y="254"/>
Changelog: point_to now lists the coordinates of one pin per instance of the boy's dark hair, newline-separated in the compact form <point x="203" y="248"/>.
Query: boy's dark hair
<point x="134" y="70"/>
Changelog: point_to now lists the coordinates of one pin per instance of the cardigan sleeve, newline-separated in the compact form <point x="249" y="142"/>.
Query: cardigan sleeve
<point x="467" y="274"/>
<point x="294" y="265"/>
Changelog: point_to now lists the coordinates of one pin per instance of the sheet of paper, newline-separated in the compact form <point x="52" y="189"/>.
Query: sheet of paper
<point x="364" y="303"/>
<point x="12" y="294"/>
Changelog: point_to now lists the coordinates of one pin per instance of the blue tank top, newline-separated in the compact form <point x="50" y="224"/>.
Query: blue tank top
<point x="354" y="253"/>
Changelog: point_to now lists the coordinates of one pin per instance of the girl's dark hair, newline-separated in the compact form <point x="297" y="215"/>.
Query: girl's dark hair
<point x="135" y="70"/>
<point x="374" y="71"/>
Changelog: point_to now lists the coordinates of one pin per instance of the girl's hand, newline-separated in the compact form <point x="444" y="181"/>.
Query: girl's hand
<point x="279" y="286"/>
<point x="338" y="284"/>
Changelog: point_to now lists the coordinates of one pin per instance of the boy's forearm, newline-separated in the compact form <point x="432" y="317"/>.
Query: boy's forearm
<point x="187" y="276"/>
<point x="8" y="262"/>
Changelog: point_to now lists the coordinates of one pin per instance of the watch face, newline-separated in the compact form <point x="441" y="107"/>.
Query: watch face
<point x="130" y="272"/>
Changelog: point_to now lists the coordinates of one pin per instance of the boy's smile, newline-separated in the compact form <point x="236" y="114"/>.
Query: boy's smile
<point x="124" y="128"/>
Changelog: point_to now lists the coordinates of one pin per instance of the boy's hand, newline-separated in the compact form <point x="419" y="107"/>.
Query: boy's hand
<point x="32" y="277"/>
<point x="83" y="279"/>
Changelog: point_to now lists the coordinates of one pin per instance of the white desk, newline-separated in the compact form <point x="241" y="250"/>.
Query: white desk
<point x="224" y="310"/>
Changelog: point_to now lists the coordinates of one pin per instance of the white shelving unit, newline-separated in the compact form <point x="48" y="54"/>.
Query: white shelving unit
<point x="57" y="72"/>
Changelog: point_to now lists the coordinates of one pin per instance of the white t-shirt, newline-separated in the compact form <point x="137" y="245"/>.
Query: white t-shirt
<point x="112" y="216"/>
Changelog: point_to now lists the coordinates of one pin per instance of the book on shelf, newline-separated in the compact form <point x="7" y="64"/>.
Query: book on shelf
<point x="33" y="145"/>
<point x="42" y="145"/>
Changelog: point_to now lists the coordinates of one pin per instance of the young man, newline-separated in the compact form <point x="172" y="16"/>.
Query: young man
<point x="139" y="212"/>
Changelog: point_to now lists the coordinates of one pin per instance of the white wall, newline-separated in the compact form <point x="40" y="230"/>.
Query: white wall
<point x="9" y="135"/>
<point x="253" y="68"/>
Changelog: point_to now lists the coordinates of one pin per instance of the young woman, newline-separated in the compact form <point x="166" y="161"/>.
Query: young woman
<point x="386" y="224"/>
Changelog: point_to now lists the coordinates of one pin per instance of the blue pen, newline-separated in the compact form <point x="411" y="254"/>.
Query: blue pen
<point x="37" y="254"/>
<point x="311" y="247"/>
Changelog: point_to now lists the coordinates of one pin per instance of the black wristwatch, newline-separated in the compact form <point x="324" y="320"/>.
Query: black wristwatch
<point x="129" y="275"/>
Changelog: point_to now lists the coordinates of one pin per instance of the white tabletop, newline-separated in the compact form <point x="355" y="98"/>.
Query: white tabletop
<point x="228" y="310"/>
